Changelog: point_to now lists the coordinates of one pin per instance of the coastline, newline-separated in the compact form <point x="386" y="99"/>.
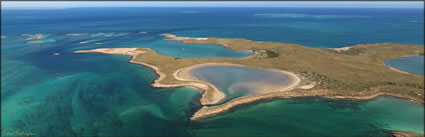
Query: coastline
<point x="174" y="37"/>
<point x="183" y="75"/>
<point x="182" y="79"/>
<point x="396" y="69"/>
<point x="346" y="48"/>
<point x="133" y="52"/>
<point x="206" y="112"/>
<point x="161" y="76"/>
<point x="182" y="40"/>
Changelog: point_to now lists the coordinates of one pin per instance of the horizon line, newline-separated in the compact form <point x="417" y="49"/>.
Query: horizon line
<point x="53" y="8"/>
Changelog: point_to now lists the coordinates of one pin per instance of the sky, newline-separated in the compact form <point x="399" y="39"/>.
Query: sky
<point x="339" y="4"/>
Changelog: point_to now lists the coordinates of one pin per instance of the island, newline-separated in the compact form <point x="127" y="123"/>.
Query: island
<point x="354" y="72"/>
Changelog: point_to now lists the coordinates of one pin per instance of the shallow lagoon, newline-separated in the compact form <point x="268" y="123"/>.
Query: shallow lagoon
<point x="413" y="64"/>
<point x="315" y="116"/>
<point x="98" y="94"/>
<point x="238" y="81"/>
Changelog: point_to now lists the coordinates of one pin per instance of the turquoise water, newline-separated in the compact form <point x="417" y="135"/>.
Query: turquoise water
<point x="414" y="64"/>
<point x="235" y="81"/>
<point x="317" y="117"/>
<point x="98" y="95"/>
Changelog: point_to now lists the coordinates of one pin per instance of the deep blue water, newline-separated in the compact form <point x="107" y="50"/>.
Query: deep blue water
<point x="98" y="94"/>
<point x="414" y="64"/>
<point x="319" y="27"/>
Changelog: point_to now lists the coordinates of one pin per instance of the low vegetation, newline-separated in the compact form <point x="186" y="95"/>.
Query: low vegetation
<point x="262" y="53"/>
<point x="357" y="71"/>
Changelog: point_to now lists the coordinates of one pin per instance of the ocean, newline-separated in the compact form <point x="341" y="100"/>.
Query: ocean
<point x="104" y="95"/>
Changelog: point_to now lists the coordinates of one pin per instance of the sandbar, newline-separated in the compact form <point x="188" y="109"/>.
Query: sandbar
<point x="76" y="34"/>
<point x="121" y="51"/>
<point x="174" y="37"/>
<point x="35" y="37"/>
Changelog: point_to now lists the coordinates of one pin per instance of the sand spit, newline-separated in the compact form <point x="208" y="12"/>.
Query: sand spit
<point x="181" y="39"/>
<point x="206" y="111"/>
<point x="76" y="34"/>
<point x="174" y="37"/>
<point x="142" y="32"/>
<point x="120" y="51"/>
<point x="184" y="75"/>
<point x="134" y="52"/>
<point x="202" y="86"/>
<point x="3" y="36"/>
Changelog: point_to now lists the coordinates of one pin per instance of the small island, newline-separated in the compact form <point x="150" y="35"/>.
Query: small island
<point x="355" y="72"/>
